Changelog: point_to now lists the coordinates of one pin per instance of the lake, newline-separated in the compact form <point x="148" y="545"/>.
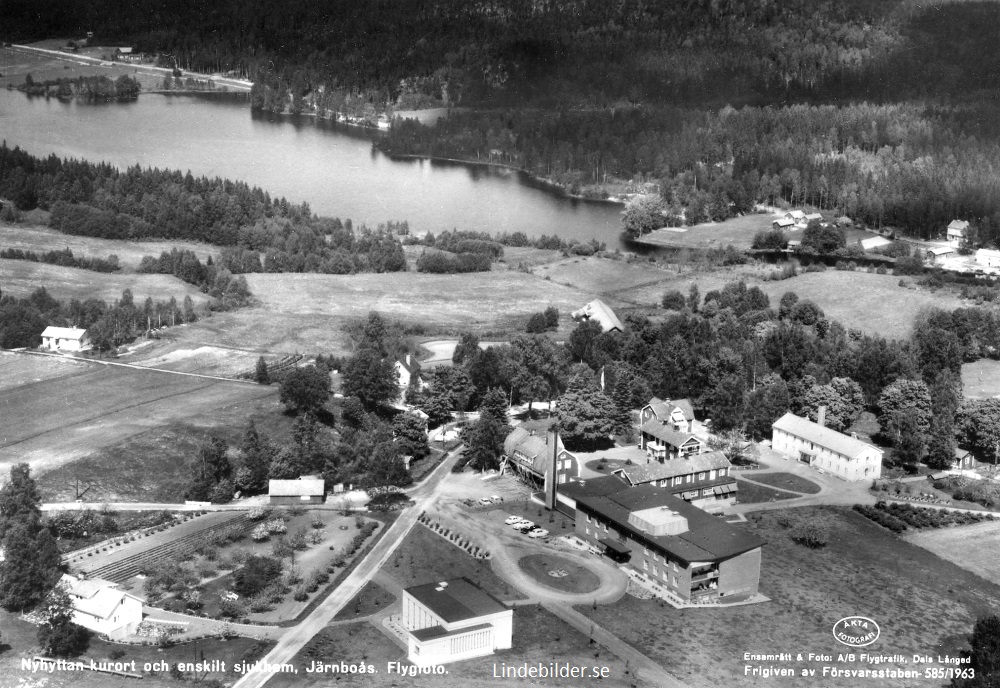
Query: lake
<point x="332" y="167"/>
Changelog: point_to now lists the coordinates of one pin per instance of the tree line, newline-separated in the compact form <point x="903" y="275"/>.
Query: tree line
<point x="64" y="258"/>
<point x="91" y="88"/>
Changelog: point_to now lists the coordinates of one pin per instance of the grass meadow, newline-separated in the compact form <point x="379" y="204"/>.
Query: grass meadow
<point x="923" y="604"/>
<point x="981" y="380"/>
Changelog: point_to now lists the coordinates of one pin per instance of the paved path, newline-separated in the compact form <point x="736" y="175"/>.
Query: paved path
<point x="296" y="637"/>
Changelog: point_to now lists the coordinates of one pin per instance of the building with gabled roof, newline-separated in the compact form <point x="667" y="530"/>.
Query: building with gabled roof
<point x="102" y="606"/>
<point x="453" y="620"/>
<point x="783" y="222"/>
<point x="872" y="243"/>
<point x="678" y="413"/>
<point x="64" y="339"/>
<point x="691" y="553"/>
<point x="956" y="231"/>
<point x="601" y="313"/>
<point x="662" y="441"/>
<point x="705" y="479"/>
<point x="527" y="453"/>
<point x="304" y="490"/>
<point x="845" y="456"/>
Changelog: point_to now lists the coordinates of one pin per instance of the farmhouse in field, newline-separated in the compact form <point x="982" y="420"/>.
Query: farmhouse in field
<point x="956" y="232"/>
<point x="64" y="339"/>
<point x="102" y="606"/>
<point x="600" y="312"/>
<point x="528" y="454"/>
<point x="988" y="258"/>
<point x="301" y="491"/>
<point x="453" y="620"/>
<point x="845" y="456"/>
<point x="676" y="545"/>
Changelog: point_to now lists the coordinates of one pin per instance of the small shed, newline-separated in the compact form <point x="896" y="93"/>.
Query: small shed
<point x="301" y="491"/>
<point x="873" y="243"/>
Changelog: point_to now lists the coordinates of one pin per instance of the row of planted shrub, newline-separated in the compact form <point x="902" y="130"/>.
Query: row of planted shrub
<point x="455" y="538"/>
<point x="898" y="517"/>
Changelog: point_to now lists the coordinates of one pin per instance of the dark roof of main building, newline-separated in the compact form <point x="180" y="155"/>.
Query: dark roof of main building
<point x="708" y="537"/>
<point x="458" y="600"/>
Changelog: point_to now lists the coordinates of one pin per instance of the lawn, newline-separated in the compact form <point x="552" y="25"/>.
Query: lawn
<point x="40" y="239"/>
<point x="424" y="556"/>
<point x="21" y="277"/>
<point x="786" y="481"/>
<point x="15" y="65"/>
<point x="539" y="638"/>
<point x="204" y="360"/>
<point x="17" y="369"/>
<point x="601" y="275"/>
<point x="738" y="231"/>
<point x="749" y="493"/>
<point x="975" y="547"/>
<point x="864" y="570"/>
<point x="981" y="380"/>
<point x="370" y="599"/>
<point x="559" y="573"/>
<point x="56" y="420"/>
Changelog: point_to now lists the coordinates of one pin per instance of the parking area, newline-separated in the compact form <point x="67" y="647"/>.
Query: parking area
<point x="556" y="523"/>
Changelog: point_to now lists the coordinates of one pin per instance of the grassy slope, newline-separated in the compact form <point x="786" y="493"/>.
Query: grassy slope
<point x="130" y="253"/>
<point x="863" y="570"/>
<point x="981" y="379"/>
<point x="21" y="277"/>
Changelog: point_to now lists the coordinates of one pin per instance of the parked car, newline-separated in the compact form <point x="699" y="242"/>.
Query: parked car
<point x="524" y="526"/>
<point x="538" y="533"/>
<point x="485" y="502"/>
<point x="511" y="520"/>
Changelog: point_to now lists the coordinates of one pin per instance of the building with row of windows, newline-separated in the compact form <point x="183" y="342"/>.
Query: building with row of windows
<point x="845" y="456"/>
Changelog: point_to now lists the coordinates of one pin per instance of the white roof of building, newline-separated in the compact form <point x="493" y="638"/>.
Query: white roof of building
<point x="797" y="214"/>
<point x="838" y="442"/>
<point x="814" y="216"/>
<point x="959" y="225"/>
<point x="874" y="242"/>
<point x="941" y="250"/>
<point x="94" y="596"/>
<point x="303" y="487"/>
<point x="602" y="313"/>
<point x="64" y="332"/>
<point x="784" y="222"/>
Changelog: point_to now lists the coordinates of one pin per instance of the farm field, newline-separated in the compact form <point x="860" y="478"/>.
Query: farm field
<point x="539" y="638"/>
<point x="680" y="277"/>
<point x="864" y="570"/>
<point x="56" y="420"/>
<point x="130" y="253"/>
<point x="17" y="369"/>
<point x="204" y="360"/>
<point x="16" y="64"/>
<point x="21" y="277"/>
<point x="601" y="275"/>
<point x="981" y="380"/>
<point x="975" y="547"/>
<point x="872" y="303"/>
<point x="738" y="231"/>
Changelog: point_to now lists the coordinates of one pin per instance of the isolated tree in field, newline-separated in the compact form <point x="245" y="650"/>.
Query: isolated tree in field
<point x="375" y="334"/>
<point x="410" y="431"/>
<point x="371" y="378"/>
<point x="58" y="636"/>
<point x="31" y="566"/>
<point x="552" y="318"/>
<point x="673" y="301"/>
<point x="256" y="574"/>
<point x="536" y="324"/>
<point x="305" y="389"/>
<point x="19" y="499"/>
<point x="261" y="375"/>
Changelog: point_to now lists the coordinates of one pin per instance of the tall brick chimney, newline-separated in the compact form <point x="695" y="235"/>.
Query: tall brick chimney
<point x="551" y="479"/>
<point x="821" y="420"/>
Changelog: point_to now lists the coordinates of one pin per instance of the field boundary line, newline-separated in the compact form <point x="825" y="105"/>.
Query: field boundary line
<point x="133" y="366"/>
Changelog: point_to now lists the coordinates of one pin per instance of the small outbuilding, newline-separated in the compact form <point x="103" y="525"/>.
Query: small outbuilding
<point x="600" y="312"/>
<point x="64" y="339"/>
<point x="301" y="491"/>
<point x="940" y="253"/>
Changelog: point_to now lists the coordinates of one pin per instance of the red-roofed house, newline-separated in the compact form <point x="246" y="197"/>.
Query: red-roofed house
<point x="454" y="620"/>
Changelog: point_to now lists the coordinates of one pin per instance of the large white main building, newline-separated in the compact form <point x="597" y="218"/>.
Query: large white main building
<point x="845" y="456"/>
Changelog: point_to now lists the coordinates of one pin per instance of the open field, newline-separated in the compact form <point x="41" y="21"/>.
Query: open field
<point x="21" y="277"/>
<point x="981" y="380"/>
<point x="539" y="638"/>
<point x="601" y="275"/>
<point x="130" y="253"/>
<point x="17" y="370"/>
<point x="864" y="570"/>
<point x="975" y="547"/>
<point x="874" y="304"/>
<point x="90" y="406"/>
<point x="514" y="256"/>
<point x="738" y="231"/>
<point x="204" y="360"/>
<point x="16" y="64"/>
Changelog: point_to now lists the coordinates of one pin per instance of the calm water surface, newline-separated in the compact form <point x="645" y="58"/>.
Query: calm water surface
<point x="331" y="167"/>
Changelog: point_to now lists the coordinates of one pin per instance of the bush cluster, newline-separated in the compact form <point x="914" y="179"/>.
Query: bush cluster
<point x="898" y="517"/>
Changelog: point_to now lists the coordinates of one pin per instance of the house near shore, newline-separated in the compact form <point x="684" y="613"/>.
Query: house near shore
<point x="65" y="339"/>
<point x="305" y="490"/>
<point x="601" y="313"/>
<point x="677" y="546"/>
<point x="102" y="606"/>
<point x="956" y="232"/>
<point x="845" y="456"/>
<point x="452" y="620"/>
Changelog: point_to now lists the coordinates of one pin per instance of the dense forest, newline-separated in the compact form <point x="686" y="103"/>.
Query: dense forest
<point x="101" y="201"/>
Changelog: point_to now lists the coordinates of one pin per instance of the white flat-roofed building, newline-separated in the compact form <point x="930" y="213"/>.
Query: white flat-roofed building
<point x="844" y="456"/>
<point x="301" y="491"/>
<point x="64" y="339"/>
<point x="454" y="620"/>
